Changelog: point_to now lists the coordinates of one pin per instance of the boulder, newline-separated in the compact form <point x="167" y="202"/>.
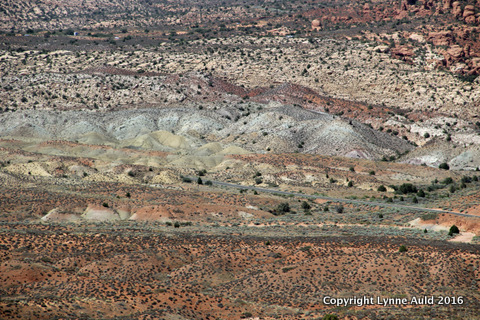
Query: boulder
<point x="402" y="51"/>
<point x="469" y="7"/>
<point x="428" y="4"/>
<point x="469" y="12"/>
<point x="316" y="24"/>
<point x="442" y="38"/>
<point x="455" y="52"/>
<point x="475" y="63"/>
<point x="457" y="9"/>
<point x="471" y="19"/>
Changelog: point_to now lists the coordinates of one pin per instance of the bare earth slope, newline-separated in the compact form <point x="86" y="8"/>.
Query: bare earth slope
<point x="250" y="126"/>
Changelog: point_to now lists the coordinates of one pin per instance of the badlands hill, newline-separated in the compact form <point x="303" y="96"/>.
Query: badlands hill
<point x="244" y="126"/>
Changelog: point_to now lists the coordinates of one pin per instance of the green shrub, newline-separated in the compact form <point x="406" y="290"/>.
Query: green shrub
<point x="466" y="179"/>
<point x="306" y="206"/>
<point x="448" y="180"/>
<point x="453" y="229"/>
<point x="382" y="188"/>
<point x="444" y="166"/>
<point x="282" y="208"/>
<point x="402" y="248"/>
<point x="407" y="188"/>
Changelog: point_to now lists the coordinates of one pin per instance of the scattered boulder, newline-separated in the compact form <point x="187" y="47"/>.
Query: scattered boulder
<point x="316" y="24"/>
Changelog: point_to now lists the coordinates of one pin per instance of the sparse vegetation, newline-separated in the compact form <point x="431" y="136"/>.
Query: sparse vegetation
<point x="186" y="179"/>
<point x="125" y="106"/>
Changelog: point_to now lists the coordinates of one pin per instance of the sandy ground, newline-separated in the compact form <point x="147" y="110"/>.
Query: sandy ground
<point x="464" y="237"/>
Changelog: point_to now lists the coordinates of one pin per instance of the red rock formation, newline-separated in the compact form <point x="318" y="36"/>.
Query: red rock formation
<point x="467" y="51"/>
<point x="457" y="9"/>
<point x="403" y="53"/>
<point x="428" y="4"/>
<point x="455" y="52"/>
<point x="447" y="4"/>
<point x="469" y="14"/>
<point x="442" y="38"/>
<point x="316" y="24"/>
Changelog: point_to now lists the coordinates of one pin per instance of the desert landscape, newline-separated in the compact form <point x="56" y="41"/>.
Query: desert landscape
<point x="239" y="159"/>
